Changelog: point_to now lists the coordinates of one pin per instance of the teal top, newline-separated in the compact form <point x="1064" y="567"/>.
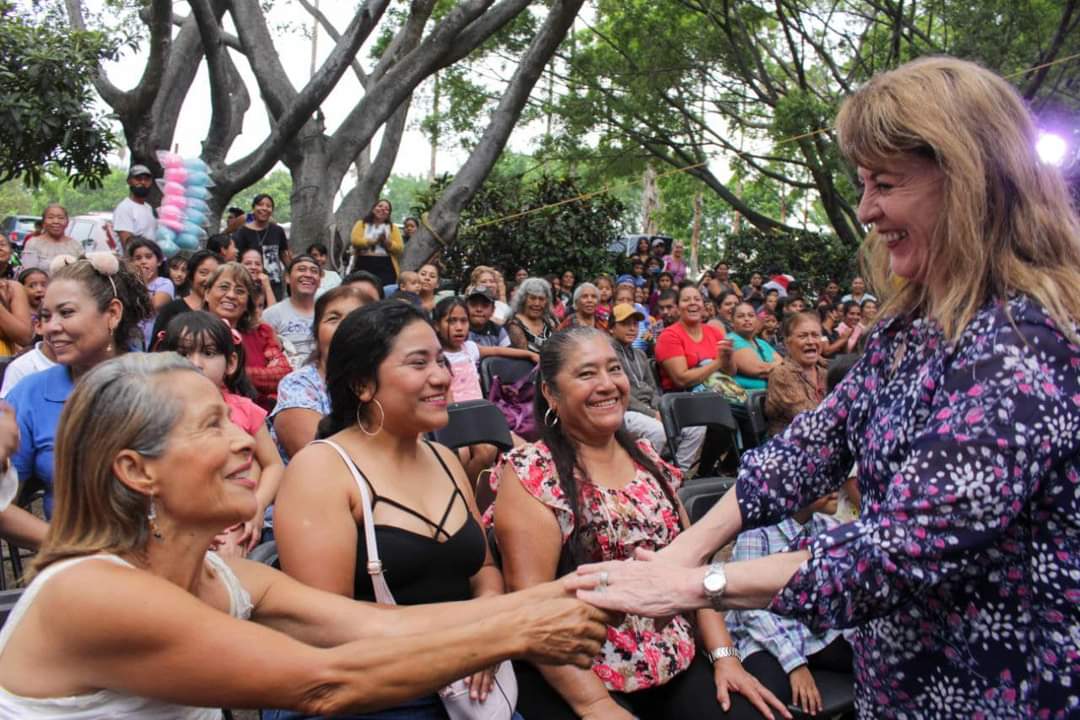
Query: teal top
<point x="764" y="351"/>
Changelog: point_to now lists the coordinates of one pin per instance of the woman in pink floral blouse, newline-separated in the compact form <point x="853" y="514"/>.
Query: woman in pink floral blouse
<point x="587" y="492"/>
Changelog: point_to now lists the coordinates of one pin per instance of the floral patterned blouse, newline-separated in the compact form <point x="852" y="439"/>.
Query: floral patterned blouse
<point x="962" y="575"/>
<point x="636" y="654"/>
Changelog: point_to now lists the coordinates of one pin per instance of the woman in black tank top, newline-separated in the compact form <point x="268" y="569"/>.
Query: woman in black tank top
<point x="388" y="385"/>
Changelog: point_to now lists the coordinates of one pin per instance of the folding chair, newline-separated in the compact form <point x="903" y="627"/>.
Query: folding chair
<point x="684" y="409"/>
<point x="700" y="494"/>
<point x="8" y="598"/>
<point x="473" y="422"/>
<point x="750" y="417"/>
<point x="508" y="370"/>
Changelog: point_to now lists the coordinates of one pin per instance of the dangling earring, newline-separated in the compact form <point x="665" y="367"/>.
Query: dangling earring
<point x="382" y="419"/>
<point x="151" y="518"/>
<point x="109" y="349"/>
<point x="547" y="418"/>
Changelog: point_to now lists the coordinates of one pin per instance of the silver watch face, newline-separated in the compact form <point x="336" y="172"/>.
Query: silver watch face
<point x="715" y="581"/>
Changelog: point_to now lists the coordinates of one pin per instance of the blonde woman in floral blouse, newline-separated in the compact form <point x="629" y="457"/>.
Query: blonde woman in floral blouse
<point x="587" y="492"/>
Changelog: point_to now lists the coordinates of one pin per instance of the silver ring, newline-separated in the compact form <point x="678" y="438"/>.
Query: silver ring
<point x="603" y="582"/>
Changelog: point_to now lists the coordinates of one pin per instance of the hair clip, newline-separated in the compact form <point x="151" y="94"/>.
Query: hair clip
<point x="237" y="338"/>
<point x="60" y="261"/>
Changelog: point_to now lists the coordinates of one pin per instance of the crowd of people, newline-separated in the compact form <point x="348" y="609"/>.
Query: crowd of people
<point x="177" y="413"/>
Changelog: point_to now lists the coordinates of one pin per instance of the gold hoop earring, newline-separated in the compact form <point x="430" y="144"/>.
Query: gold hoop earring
<point x="151" y="519"/>
<point x="547" y="418"/>
<point x="382" y="419"/>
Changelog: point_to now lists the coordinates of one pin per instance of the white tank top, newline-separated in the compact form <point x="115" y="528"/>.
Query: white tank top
<point x="106" y="704"/>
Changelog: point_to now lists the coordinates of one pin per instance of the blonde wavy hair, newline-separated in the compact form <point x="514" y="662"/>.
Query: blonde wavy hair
<point x="1007" y="225"/>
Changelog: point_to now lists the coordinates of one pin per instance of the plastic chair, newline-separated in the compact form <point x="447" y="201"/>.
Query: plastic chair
<point x="700" y="494"/>
<point x="8" y="598"/>
<point x="837" y="696"/>
<point x="508" y="370"/>
<point x="750" y="417"/>
<point x="473" y="422"/>
<point x="685" y="409"/>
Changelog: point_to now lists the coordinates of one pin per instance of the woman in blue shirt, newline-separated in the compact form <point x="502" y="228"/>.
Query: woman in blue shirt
<point x="91" y="312"/>
<point x="754" y="358"/>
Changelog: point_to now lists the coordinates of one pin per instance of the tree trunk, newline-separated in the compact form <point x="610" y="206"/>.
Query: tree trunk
<point x="650" y="200"/>
<point x="442" y="221"/>
<point x="695" y="234"/>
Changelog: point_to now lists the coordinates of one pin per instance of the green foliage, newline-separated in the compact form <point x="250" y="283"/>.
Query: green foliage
<point x="813" y="258"/>
<point x="46" y="101"/>
<point x="277" y="185"/>
<point x="574" y="235"/>
<point x="16" y="197"/>
<point x="402" y="191"/>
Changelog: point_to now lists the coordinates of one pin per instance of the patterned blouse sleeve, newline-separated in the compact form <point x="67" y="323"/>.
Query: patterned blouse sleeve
<point x="808" y="460"/>
<point x="1003" y="423"/>
<point x="535" y="469"/>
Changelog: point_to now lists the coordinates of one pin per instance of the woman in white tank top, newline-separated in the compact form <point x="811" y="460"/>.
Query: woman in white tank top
<point x="130" y="616"/>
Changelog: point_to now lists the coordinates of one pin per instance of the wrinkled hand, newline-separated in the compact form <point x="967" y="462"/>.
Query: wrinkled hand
<point x="562" y="632"/>
<point x="731" y="677"/>
<point x="656" y="589"/>
<point x="480" y="684"/>
<point x="804" y="691"/>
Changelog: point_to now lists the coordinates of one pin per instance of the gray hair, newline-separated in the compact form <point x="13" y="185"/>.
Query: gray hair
<point x="533" y="286"/>
<point x="582" y="288"/>
<point x="117" y="406"/>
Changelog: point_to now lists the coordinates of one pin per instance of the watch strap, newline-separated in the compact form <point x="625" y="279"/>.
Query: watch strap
<point x="721" y="652"/>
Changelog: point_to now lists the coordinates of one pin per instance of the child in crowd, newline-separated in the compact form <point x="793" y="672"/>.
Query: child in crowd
<point x="178" y="269"/>
<point x="780" y="652"/>
<point x="216" y="350"/>
<point x="607" y="290"/>
<point x="491" y="338"/>
<point x="409" y="281"/>
<point x="35" y="280"/>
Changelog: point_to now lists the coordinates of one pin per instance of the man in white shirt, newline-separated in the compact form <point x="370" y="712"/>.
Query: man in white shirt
<point x="134" y="217"/>
<point x="292" y="317"/>
<point x="30" y="362"/>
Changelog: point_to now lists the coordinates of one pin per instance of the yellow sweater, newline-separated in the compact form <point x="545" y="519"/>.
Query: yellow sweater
<point x="361" y="244"/>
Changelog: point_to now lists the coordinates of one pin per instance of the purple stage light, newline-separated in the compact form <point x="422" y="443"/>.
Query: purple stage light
<point x="1051" y="149"/>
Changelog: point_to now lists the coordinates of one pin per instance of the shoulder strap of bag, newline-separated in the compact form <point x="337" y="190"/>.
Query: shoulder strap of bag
<point x="374" y="564"/>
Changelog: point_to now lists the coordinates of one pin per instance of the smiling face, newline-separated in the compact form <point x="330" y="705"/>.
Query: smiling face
<point x="228" y="298"/>
<point x="590" y="393"/>
<point x="263" y="210"/>
<point x="55" y="222"/>
<point x="201" y="278"/>
<point x="804" y="341"/>
<point x="413" y="383"/>
<point x="409" y="226"/>
<point x="587" y="302"/>
<point x="903" y="199"/>
<point x="381" y="211"/>
<point x="252" y="260"/>
<point x="869" y="311"/>
<point x="5" y="249"/>
<point x="726" y="311"/>
<point x="567" y="281"/>
<point x="178" y="273"/>
<point x="626" y="332"/>
<point x="78" y="332"/>
<point x="204" y="476"/>
<point x="208" y="358"/>
<point x="691" y="306"/>
<point x="304" y="278"/>
<point x="853" y="316"/>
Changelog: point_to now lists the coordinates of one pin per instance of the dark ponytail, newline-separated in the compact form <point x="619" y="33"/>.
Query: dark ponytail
<point x="360" y="345"/>
<point x="555" y="353"/>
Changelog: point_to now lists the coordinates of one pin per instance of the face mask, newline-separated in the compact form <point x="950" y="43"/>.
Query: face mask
<point x="139" y="191"/>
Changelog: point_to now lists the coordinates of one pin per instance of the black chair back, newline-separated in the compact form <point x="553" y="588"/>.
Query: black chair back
<point x="8" y="598"/>
<point x="750" y="417"/>
<point x="700" y="494"/>
<point x="508" y="370"/>
<point x="474" y="422"/>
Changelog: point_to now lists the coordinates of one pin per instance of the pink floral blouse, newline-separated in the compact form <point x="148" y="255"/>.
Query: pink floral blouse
<point x="636" y="655"/>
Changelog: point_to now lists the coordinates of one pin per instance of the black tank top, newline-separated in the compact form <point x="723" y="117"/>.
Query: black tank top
<point x="421" y="569"/>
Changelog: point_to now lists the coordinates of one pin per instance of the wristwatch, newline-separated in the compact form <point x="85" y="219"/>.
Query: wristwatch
<point x="715" y="584"/>
<point x="721" y="652"/>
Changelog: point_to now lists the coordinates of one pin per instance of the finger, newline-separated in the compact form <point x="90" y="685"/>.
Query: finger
<point x="600" y="600"/>
<point x="757" y="701"/>
<point x="644" y="555"/>
<point x="723" y="696"/>
<point x="595" y="568"/>
<point x="581" y="582"/>
<point x="818" y="704"/>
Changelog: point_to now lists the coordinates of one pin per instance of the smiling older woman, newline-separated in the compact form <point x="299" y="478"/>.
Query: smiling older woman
<point x="143" y="622"/>
<point x="586" y="492"/>
<point x="962" y="575"/>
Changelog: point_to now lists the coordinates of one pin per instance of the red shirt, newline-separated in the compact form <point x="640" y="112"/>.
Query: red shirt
<point x="676" y="342"/>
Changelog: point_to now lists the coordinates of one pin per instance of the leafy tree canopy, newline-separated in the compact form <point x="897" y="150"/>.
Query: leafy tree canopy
<point x="46" y="100"/>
